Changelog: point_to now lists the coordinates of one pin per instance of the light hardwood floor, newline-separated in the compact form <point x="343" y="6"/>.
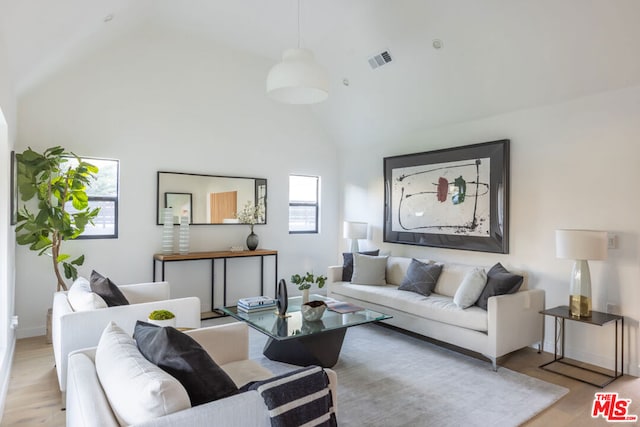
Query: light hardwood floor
<point x="34" y="399"/>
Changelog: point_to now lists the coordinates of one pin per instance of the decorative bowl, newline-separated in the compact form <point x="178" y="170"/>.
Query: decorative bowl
<point x="313" y="310"/>
<point x="165" y="322"/>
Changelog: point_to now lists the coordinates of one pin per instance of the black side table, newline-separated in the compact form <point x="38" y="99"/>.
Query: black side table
<point x="597" y="318"/>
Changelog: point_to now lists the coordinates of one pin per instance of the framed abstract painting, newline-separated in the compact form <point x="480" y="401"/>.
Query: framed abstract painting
<point x="454" y="198"/>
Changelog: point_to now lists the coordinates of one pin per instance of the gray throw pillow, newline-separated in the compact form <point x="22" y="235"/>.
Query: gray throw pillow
<point x="183" y="358"/>
<point x="499" y="282"/>
<point x="108" y="290"/>
<point x="347" y="263"/>
<point x="421" y="277"/>
<point x="369" y="270"/>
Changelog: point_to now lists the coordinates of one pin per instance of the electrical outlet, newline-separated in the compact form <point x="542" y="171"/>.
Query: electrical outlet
<point x="14" y="322"/>
<point x="613" y="308"/>
<point x="612" y="241"/>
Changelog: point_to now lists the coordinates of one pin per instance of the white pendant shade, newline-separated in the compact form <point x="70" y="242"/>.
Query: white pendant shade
<point x="298" y="79"/>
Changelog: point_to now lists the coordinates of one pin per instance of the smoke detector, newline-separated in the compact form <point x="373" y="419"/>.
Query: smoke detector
<point x="380" y="59"/>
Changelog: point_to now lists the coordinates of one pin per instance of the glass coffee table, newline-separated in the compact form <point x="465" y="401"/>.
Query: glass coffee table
<point x="299" y="342"/>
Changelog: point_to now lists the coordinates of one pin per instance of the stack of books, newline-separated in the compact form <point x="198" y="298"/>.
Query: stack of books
<point x="253" y="304"/>
<point x="341" y="306"/>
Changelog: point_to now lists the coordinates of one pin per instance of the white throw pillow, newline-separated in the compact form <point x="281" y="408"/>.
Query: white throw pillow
<point x="369" y="270"/>
<point x="470" y="288"/>
<point x="137" y="389"/>
<point x="82" y="298"/>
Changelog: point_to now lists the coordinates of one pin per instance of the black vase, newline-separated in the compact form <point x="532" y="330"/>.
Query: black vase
<point x="252" y="241"/>
<point x="282" y="299"/>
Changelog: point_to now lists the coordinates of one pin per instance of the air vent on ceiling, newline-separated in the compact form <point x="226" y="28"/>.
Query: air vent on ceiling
<point x="380" y="59"/>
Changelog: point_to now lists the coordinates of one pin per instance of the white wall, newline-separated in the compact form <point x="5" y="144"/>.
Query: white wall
<point x="573" y="165"/>
<point x="163" y="101"/>
<point x="7" y="239"/>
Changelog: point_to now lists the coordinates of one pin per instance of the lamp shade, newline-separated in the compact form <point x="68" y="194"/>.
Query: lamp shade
<point x="298" y="79"/>
<point x="581" y="244"/>
<point x="355" y="230"/>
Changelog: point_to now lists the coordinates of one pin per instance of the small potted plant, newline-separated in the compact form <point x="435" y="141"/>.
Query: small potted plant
<point x="162" y="318"/>
<point x="304" y="283"/>
<point x="311" y="310"/>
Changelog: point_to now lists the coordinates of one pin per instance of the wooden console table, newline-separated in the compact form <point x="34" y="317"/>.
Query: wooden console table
<point x="213" y="256"/>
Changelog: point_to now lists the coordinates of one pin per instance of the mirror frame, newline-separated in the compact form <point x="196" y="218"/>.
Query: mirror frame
<point x="161" y="197"/>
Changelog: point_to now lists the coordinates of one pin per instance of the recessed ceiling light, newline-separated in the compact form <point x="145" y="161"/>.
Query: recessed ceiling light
<point x="437" y="44"/>
<point x="108" y="18"/>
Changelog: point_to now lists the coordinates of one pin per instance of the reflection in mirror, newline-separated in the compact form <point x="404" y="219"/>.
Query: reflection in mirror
<point x="180" y="204"/>
<point x="208" y="199"/>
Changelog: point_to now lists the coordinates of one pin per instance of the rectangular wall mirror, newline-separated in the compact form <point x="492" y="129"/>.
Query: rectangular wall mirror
<point x="208" y="199"/>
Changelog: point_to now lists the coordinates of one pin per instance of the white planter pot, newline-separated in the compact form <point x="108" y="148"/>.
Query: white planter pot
<point x="167" y="322"/>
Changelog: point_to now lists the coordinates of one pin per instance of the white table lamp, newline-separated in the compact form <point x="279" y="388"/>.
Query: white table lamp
<point x="354" y="231"/>
<point x="581" y="246"/>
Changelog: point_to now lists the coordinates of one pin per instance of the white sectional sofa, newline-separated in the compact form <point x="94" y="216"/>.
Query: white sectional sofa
<point x="510" y="322"/>
<point x="88" y="405"/>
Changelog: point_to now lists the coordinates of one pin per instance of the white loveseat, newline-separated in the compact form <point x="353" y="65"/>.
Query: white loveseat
<point x="228" y="345"/>
<point x="73" y="330"/>
<point x="510" y="322"/>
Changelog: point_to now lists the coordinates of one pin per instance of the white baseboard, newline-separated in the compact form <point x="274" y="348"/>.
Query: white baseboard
<point x="31" y="332"/>
<point x="5" y="374"/>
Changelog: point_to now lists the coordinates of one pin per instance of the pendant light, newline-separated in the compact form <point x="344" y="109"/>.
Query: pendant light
<point x="298" y="79"/>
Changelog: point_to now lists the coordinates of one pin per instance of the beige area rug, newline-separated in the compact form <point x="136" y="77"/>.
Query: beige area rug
<point x="387" y="378"/>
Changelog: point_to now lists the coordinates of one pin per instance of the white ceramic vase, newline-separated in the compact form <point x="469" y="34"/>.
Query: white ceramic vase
<point x="183" y="236"/>
<point x="167" y="231"/>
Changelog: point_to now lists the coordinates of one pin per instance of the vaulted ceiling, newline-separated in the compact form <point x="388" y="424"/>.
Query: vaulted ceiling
<point x="495" y="55"/>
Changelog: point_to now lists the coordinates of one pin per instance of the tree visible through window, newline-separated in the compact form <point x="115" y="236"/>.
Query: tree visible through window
<point x="303" y="204"/>
<point x="103" y="193"/>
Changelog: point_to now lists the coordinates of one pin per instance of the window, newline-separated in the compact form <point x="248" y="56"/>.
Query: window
<point x="303" y="204"/>
<point x="103" y="194"/>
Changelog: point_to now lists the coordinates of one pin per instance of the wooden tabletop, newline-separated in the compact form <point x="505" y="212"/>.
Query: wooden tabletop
<point x="213" y="254"/>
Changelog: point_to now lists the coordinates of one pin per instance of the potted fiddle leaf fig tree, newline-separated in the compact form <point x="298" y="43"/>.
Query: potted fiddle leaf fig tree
<point x="58" y="181"/>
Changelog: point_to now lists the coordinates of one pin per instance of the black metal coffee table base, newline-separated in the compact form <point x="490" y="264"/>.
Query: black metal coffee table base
<point x="321" y="349"/>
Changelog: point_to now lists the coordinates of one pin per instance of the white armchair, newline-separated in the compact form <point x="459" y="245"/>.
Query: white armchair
<point x="74" y="330"/>
<point x="88" y="404"/>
